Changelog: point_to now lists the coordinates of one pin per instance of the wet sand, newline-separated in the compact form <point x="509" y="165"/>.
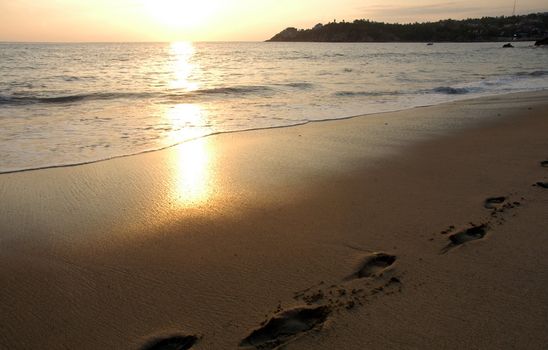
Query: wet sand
<point x="423" y="228"/>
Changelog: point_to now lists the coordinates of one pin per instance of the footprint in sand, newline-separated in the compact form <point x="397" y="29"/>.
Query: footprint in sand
<point x="470" y="234"/>
<point x="374" y="265"/>
<point x="494" y="202"/>
<point x="177" y="342"/>
<point x="285" y="326"/>
<point x="542" y="184"/>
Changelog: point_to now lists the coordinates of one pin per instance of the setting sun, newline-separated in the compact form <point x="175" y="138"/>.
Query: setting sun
<point x="217" y="20"/>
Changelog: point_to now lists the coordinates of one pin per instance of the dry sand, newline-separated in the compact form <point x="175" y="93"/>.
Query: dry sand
<point x="366" y="233"/>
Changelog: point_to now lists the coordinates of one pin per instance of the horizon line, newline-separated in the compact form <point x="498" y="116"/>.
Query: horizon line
<point x="242" y="41"/>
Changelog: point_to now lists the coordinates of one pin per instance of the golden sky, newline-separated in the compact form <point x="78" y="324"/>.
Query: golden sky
<point x="219" y="20"/>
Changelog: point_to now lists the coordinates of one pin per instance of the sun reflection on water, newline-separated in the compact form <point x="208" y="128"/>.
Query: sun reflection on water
<point x="182" y="67"/>
<point x="191" y="182"/>
<point x="188" y="121"/>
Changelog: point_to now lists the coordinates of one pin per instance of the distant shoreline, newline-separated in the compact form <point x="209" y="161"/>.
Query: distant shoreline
<point x="529" y="27"/>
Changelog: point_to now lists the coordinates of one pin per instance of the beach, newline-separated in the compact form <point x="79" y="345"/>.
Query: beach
<point x="423" y="228"/>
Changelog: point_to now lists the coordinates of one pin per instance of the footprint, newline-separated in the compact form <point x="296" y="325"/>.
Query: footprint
<point x="177" y="342"/>
<point x="470" y="234"/>
<point x="281" y="328"/>
<point x="374" y="265"/>
<point x="448" y="230"/>
<point x="493" y="202"/>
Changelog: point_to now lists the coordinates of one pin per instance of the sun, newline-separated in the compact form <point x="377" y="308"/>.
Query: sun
<point x="179" y="14"/>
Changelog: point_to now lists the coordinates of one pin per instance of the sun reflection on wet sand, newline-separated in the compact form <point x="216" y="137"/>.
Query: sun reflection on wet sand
<point x="191" y="182"/>
<point x="192" y="158"/>
<point x="192" y="176"/>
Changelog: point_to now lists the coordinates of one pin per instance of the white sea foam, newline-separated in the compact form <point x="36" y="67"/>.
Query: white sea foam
<point x="75" y="103"/>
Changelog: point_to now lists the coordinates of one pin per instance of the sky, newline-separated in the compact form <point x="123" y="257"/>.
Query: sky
<point x="220" y="20"/>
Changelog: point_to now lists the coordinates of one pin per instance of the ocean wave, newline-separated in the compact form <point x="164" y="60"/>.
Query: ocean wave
<point x="27" y="100"/>
<point x="15" y="99"/>
<point x="175" y="96"/>
<point x="69" y="78"/>
<point x="366" y="93"/>
<point x="448" y="90"/>
<point x="233" y="90"/>
<point x="298" y="85"/>
<point x="536" y="73"/>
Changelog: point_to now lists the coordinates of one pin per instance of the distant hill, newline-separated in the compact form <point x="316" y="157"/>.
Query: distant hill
<point x="526" y="27"/>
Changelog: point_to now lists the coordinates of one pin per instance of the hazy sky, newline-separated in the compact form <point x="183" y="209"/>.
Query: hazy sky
<point x="168" y="20"/>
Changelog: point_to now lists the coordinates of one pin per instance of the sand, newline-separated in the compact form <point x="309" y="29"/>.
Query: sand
<point x="413" y="229"/>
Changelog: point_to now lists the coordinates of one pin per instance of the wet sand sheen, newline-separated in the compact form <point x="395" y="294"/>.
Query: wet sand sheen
<point x="204" y="242"/>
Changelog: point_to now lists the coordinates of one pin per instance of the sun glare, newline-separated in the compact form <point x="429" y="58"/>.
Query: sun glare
<point x="182" y="67"/>
<point x="191" y="183"/>
<point x="180" y="14"/>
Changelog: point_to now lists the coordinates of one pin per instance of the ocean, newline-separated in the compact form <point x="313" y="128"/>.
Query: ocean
<point x="64" y="104"/>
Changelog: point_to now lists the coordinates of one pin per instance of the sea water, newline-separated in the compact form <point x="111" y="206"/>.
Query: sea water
<point x="66" y="104"/>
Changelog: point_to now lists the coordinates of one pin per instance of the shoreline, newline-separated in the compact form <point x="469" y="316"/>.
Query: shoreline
<point x="372" y="114"/>
<point x="389" y="228"/>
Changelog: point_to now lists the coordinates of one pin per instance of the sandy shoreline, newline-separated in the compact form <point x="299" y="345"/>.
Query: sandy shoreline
<point x="217" y="235"/>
